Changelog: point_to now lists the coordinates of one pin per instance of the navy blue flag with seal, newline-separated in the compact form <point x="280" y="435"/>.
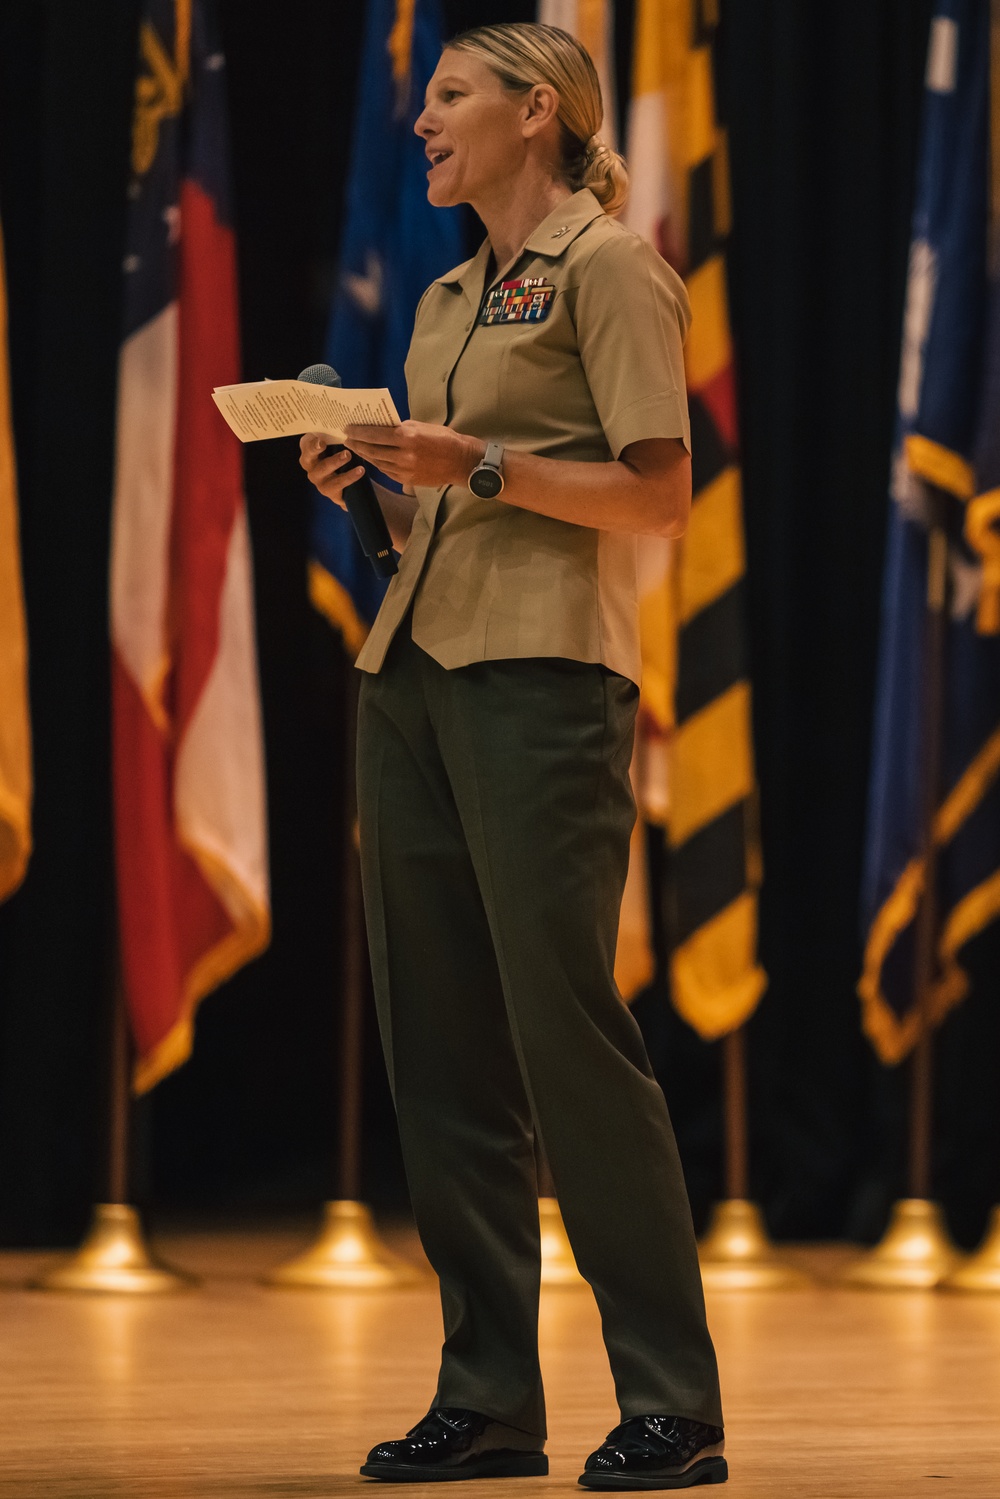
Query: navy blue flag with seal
<point x="394" y="245"/>
<point x="947" y="454"/>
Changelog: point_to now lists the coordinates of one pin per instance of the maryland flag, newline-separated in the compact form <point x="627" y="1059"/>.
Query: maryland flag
<point x="592" y="22"/>
<point x="945" y="481"/>
<point x="694" y="766"/>
<point x="394" y="245"/>
<point x="187" y="745"/>
<point x="15" y="723"/>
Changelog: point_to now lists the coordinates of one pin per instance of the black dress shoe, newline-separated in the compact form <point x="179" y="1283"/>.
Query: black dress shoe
<point x="657" y="1452"/>
<point x="450" y="1443"/>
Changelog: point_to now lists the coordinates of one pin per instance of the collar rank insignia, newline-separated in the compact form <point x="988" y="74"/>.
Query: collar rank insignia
<point x="560" y="232"/>
<point x="528" y="300"/>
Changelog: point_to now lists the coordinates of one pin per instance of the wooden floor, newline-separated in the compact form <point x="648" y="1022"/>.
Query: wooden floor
<point x="234" y="1390"/>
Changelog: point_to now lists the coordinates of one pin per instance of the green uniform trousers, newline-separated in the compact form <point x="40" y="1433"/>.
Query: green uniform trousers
<point x="495" y="812"/>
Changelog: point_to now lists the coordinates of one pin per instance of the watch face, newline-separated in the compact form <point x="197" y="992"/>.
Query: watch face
<point x="486" y="483"/>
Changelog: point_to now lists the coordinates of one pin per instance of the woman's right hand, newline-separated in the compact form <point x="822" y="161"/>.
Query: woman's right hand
<point x="331" y="475"/>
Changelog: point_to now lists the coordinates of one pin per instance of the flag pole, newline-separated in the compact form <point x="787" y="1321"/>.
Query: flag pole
<point x="348" y="1253"/>
<point x="736" y="1253"/>
<point x="352" y="1025"/>
<point x="119" y="1100"/>
<point x="922" y="1064"/>
<point x="915" y="1252"/>
<point x="114" y="1256"/>
<point x="735" y="1073"/>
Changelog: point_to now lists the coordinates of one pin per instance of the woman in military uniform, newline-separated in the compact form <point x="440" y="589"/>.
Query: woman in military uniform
<point x="549" y="430"/>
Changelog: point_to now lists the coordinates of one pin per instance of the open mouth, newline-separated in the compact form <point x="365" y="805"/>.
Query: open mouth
<point x="437" y="157"/>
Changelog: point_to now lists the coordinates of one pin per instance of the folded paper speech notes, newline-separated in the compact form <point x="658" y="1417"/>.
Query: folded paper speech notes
<point x="286" y="408"/>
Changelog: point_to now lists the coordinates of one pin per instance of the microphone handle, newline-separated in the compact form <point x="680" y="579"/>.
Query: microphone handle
<point x="370" y="525"/>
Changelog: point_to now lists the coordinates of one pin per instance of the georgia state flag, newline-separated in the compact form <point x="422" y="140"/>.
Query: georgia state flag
<point x="188" y="762"/>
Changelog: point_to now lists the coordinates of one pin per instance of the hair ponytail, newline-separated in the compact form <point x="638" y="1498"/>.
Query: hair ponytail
<point x="605" y="174"/>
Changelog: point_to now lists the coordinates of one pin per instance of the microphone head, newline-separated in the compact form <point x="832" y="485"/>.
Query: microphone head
<point x="321" y="374"/>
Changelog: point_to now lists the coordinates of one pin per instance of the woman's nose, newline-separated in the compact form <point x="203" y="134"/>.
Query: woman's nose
<point x="422" y="125"/>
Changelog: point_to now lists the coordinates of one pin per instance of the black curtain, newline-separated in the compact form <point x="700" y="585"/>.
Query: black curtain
<point x="822" y="106"/>
<point x="64" y="129"/>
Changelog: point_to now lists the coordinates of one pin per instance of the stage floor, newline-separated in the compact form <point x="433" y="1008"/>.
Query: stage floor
<point x="237" y="1392"/>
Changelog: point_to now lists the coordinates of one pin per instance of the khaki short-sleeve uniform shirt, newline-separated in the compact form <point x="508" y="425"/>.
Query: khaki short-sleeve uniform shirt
<point x="601" y="368"/>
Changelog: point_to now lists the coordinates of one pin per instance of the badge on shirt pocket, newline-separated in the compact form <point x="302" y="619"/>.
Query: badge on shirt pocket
<point x="528" y="300"/>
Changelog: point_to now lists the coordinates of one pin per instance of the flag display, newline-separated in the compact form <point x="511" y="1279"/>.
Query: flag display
<point x="592" y="23"/>
<point x="190" y="822"/>
<point x="394" y="244"/>
<point x="947" y="454"/>
<point x="695" y="764"/>
<point x="15" y="723"/>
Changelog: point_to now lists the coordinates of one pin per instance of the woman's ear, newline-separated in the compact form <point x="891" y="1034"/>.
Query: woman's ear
<point x="540" y="108"/>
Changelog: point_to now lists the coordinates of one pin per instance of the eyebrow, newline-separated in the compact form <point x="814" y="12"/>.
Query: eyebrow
<point x="448" y="78"/>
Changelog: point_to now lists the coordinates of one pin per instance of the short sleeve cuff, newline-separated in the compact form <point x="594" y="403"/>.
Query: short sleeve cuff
<point x="662" y="415"/>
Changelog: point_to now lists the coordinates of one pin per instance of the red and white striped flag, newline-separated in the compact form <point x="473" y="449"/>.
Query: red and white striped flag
<point x="189" y="795"/>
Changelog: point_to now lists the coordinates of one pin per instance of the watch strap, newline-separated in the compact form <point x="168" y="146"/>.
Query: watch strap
<point x="493" y="457"/>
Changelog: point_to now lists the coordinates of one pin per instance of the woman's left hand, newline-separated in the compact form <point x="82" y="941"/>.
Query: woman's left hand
<point x="417" y="453"/>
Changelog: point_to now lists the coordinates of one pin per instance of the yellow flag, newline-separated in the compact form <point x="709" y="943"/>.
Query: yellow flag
<point x="592" y="22"/>
<point x="695" y="755"/>
<point x="15" y="730"/>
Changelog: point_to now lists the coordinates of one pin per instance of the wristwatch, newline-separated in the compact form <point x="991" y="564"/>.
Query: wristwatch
<point x="486" y="480"/>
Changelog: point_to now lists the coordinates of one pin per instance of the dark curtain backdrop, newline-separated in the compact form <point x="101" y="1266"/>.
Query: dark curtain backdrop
<point x="822" y="106"/>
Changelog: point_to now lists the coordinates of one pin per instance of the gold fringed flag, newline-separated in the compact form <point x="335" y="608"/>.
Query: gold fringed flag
<point x="695" y="757"/>
<point x="946" y="468"/>
<point x="393" y="246"/>
<point x="187" y="741"/>
<point x="15" y="723"/>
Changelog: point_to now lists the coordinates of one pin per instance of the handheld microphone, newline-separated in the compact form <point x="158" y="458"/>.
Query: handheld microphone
<point x="360" y="497"/>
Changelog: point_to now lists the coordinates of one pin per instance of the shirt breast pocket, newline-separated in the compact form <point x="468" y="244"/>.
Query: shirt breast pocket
<point x="544" y="396"/>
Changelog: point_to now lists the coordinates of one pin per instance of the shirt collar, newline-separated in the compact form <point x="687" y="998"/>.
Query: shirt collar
<point x="551" y="238"/>
<point x="470" y="274"/>
<point x="568" y="219"/>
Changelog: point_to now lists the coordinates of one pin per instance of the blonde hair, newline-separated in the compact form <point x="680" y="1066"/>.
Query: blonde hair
<point x="523" y="54"/>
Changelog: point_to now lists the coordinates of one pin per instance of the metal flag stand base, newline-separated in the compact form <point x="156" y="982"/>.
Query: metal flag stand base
<point x="981" y="1271"/>
<point x="914" y="1254"/>
<point x="113" y="1258"/>
<point x="558" y="1260"/>
<point x="737" y="1255"/>
<point x="348" y="1255"/>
